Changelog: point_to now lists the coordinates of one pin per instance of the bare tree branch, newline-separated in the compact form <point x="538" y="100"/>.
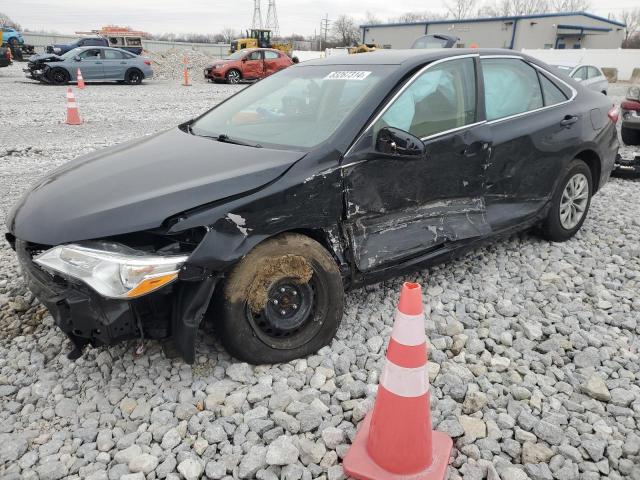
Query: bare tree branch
<point x="632" y="19"/>
<point x="7" y="21"/>
<point x="562" y="6"/>
<point x="345" y="30"/>
<point x="459" y="9"/>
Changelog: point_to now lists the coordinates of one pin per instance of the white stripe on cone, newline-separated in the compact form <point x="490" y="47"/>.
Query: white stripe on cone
<point x="405" y="382"/>
<point x="408" y="329"/>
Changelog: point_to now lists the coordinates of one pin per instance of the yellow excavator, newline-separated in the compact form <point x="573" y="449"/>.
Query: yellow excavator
<point x="260" y="38"/>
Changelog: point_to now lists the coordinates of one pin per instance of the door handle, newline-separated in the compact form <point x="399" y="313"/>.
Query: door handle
<point x="474" y="148"/>
<point x="569" y="120"/>
<point x="98" y="63"/>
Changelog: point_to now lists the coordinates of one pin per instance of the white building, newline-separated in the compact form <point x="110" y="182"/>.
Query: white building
<point x="547" y="30"/>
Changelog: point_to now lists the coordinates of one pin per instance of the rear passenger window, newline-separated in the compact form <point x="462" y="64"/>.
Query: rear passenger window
<point x="268" y="55"/>
<point x="441" y="99"/>
<point x="113" y="55"/>
<point x="550" y="91"/>
<point x="510" y="87"/>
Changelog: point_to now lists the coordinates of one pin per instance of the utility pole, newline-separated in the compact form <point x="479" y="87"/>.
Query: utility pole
<point x="257" y="15"/>
<point x="272" y="19"/>
<point x="324" y="27"/>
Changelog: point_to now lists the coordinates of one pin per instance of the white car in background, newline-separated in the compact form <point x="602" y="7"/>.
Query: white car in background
<point x="588" y="75"/>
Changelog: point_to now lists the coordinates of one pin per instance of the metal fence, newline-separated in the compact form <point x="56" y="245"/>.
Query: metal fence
<point x="41" y="40"/>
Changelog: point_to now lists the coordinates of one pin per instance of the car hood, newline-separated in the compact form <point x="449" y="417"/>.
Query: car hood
<point x="45" y="57"/>
<point x="223" y="62"/>
<point x="137" y="185"/>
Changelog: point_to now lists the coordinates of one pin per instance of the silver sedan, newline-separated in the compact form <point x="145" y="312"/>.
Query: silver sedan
<point x="97" y="64"/>
<point x="588" y="75"/>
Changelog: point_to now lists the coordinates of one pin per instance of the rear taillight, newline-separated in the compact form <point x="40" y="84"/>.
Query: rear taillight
<point x="630" y="105"/>
<point x="147" y="62"/>
<point x="613" y="114"/>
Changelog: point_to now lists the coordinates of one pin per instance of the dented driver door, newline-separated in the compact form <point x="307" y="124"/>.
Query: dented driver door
<point x="399" y="207"/>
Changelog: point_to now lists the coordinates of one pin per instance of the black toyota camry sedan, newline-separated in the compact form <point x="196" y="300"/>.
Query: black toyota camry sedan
<point x="257" y="215"/>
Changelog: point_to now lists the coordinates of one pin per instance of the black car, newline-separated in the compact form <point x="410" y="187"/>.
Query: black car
<point x="325" y="176"/>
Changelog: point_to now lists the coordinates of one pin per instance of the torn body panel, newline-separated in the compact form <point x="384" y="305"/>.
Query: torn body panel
<point x="398" y="207"/>
<point x="393" y="237"/>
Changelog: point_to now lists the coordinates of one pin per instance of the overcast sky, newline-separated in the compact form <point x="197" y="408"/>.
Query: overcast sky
<point x="211" y="16"/>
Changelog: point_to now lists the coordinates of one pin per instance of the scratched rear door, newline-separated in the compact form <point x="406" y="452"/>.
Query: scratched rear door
<point x="402" y="207"/>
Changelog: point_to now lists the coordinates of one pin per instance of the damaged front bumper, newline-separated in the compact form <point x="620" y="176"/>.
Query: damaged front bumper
<point x="34" y="73"/>
<point x="88" y="318"/>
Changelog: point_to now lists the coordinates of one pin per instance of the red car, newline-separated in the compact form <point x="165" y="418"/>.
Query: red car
<point x="247" y="64"/>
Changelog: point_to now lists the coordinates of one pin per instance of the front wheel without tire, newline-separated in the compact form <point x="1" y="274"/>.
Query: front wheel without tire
<point x="282" y="301"/>
<point x="570" y="203"/>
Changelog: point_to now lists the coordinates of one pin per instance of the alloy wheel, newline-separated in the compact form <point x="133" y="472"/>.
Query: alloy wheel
<point x="573" y="203"/>
<point x="233" y="76"/>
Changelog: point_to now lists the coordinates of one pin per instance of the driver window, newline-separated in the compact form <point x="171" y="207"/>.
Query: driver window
<point x="442" y="98"/>
<point x="90" y="54"/>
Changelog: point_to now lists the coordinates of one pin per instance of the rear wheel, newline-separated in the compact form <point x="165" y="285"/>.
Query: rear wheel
<point x="630" y="136"/>
<point x="570" y="203"/>
<point x="233" y="76"/>
<point x="59" y="76"/>
<point x="282" y="301"/>
<point x="133" y="77"/>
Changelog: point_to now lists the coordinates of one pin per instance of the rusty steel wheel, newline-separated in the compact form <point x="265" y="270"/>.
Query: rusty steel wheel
<point x="282" y="301"/>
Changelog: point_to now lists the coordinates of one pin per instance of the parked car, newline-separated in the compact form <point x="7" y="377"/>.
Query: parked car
<point x="248" y="64"/>
<point x="97" y="64"/>
<point x="630" y="109"/>
<point x="436" y="40"/>
<point x="588" y="75"/>
<point x="128" y="43"/>
<point x="11" y="36"/>
<point x="327" y="175"/>
<point x="5" y="57"/>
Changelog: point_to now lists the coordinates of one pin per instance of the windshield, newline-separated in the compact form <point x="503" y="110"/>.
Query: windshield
<point x="299" y="107"/>
<point x="71" y="53"/>
<point x="237" y="55"/>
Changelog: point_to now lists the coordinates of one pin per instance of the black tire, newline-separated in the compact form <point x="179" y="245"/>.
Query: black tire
<point x="630" y="136"/>
<point x="295" y="59"/>
<point x="604" y="92"/>
<point x="289" y="273"/>
<point x="552" y="227"/>
<point x="59" y="76"/>
<point x="133" y="76"/>
<point x="233" y="76"/>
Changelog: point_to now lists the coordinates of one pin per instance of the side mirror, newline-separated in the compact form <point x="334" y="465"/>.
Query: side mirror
<point x="394" y="141"/>
<point x="77" y="58"/>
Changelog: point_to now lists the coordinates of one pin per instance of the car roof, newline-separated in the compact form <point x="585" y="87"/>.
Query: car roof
<point x="407" y="56"/>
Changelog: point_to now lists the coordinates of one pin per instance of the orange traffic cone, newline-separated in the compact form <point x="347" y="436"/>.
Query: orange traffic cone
<point x="80" y="79"/>
<point x="186" y="73"/>
<point x="73" y="117"/>
<point x="395" y="440"/>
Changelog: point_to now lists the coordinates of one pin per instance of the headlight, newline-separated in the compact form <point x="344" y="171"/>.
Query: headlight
<point x="634" y="93"/>
<point x="57" y="49"/>
<point x="113" y="274"/>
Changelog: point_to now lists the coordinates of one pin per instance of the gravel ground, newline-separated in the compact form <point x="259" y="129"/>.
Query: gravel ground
<point x="534" y="366"/>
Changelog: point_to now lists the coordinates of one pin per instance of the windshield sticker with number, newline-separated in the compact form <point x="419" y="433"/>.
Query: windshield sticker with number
<point x="347" y="75"/>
